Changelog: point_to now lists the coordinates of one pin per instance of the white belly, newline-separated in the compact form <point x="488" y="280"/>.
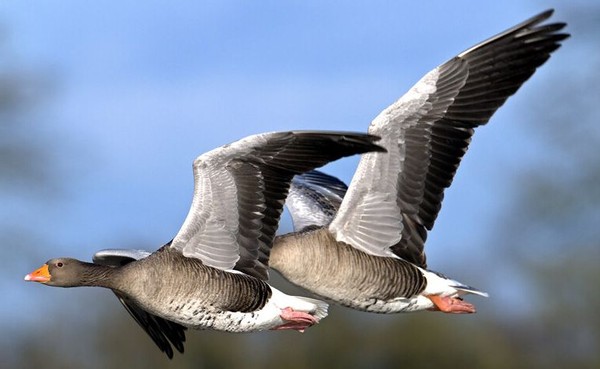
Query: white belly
<point x="195" y="316"/>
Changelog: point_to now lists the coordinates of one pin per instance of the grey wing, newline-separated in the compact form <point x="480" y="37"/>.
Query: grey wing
<point x="240" y="189"/>
<point x="118" y="257"/>
<point x="163" y="332"/>
<point x="314" y="199"/>
<point x="394" y="199"/>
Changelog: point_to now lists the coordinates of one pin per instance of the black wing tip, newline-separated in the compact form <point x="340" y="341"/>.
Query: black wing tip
<point x="164" y="333"/>
<point x="543" y="15"/>
<point x="167" y="351"/>
<point x="549" y="31"/>
<point x="536" y="19"/>
<point x="325" y="133"/>
<point x="166" y="345"/>
<point x="165" y="342"/>
<point x="365" y="142"/>
<point x="322" y="179"/>
<point x="175" y="337"/>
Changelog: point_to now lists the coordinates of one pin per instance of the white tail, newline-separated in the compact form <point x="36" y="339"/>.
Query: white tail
<point x="320" y="307"/>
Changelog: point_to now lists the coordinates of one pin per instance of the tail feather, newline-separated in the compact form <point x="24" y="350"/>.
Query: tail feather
<point x="314" y="307"/>
<point x="319" y="309"/>
<point x="440" y="283"/>
<point x="468" y="289"/>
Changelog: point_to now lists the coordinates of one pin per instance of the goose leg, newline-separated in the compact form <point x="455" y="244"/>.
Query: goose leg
<point x="296" y="320"/>
<point x="454" y="305"/>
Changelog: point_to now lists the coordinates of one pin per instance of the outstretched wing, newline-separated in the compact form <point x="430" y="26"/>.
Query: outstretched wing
<point x="394" y="199"/>
<point x="314" y="199"/>
<point x="163" y="332"/>
<point x="240" y="190"/>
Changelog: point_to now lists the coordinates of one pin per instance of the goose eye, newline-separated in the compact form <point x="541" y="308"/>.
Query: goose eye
<point x="59" y="264"/>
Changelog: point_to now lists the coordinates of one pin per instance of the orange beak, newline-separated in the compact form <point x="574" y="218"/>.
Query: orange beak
<point x="41" y="275"/>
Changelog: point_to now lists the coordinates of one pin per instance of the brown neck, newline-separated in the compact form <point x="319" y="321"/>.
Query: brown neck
<point x="98" y="275"/>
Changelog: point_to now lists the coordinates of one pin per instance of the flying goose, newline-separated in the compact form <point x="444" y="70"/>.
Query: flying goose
<point x="369" y="255"/>
<point x="213" y="274"/>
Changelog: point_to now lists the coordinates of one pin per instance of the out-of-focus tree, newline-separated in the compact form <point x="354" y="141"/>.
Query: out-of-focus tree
<point x="21" y="92"/>
<point x="26" y="173"/>
<point x="25" y="179"/>
<point x="554" y="236"/>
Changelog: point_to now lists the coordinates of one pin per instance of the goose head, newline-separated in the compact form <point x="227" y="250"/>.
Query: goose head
<point x="68" y="272"/>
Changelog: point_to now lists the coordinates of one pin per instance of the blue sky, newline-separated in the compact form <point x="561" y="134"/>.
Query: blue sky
<point x="140" y="89"/>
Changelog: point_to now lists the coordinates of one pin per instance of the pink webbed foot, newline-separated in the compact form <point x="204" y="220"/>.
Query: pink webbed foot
<point x="296" y="320"/>
<point x="453" y="305"/>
